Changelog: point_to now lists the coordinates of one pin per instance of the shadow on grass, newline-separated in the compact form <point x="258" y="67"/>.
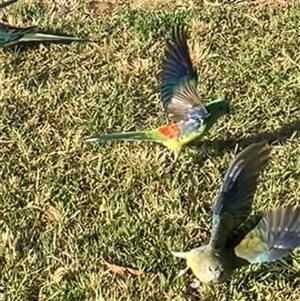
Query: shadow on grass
<point x="229" y="143"/>
<point x="268" y="273"/>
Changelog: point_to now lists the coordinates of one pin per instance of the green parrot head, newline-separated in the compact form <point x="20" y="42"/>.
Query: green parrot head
<point x="204" y="264"/>
<point x="218" y="108"/>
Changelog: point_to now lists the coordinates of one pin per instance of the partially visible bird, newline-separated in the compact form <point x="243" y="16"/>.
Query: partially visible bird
<point x="10" y="36"/>
<point x="238" y="240"/>
<point x="7" y="3"/>
<point x="188" y="119"/>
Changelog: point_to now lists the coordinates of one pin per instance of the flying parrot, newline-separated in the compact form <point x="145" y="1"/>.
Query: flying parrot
<point x="238" y="239"/>
<point x="7" y="3"/>
<point x="188" y="119"/>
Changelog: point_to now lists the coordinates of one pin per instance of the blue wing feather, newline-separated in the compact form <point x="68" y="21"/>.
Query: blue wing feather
<point x="274" y="237"/>
<point x="177" y="63"/>
<point x="233" y="205"/>
<point x="179" y="95"/>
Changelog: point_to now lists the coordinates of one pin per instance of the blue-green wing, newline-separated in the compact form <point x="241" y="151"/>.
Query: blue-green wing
<point x="11" y="35"/>
<point x="7" y="3"/>
<point x="277" y="233"/>
<point x="234" y="202"/>
<point x="179" y="94"/>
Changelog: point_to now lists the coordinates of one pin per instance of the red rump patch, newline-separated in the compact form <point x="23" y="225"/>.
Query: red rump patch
<point x="170" y="131"/>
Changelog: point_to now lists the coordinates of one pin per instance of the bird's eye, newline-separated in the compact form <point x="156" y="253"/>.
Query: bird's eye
<point x="210" y="269"/>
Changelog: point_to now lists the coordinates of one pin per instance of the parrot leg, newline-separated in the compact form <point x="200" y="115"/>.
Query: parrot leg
<point x="195" y="284"/>
<point x="181" y="272"/>
<point x="175" y="156"/>
<point x="169" y="159"/>
<point x="172" y="157"/>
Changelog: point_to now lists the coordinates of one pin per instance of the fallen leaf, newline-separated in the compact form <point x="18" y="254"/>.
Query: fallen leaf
<point x="53" y="215"/>
<point x="100" y="6"/>
<point x="122" y="270"/>
<point x="58" y="275"/>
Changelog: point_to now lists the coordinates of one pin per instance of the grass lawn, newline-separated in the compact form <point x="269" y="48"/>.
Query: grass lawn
<point x="70" y="211"/>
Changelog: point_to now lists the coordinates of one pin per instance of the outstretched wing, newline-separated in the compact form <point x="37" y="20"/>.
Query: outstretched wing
<point x="234" y="202"/>
<point x="274" y="236"/>
<point x="179" y="94"/>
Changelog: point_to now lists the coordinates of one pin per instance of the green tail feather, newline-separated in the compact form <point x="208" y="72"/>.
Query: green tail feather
<point x="129" y="136"/>
<point x="41" y="37"/>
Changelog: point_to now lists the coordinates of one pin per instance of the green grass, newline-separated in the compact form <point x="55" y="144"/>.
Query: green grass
<point x="68" y="204"/>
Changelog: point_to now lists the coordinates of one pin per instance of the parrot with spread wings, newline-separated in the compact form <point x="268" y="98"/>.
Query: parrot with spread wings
<point x="188" y="118"/>
<point x="238" y="239"/>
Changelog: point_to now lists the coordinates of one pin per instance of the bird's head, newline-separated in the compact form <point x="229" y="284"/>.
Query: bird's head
<point x="218" y="107"/>
<point x="204" y="265"/>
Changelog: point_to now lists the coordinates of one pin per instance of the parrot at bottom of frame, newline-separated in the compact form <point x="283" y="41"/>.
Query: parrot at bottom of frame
<point x="239" y="239"/>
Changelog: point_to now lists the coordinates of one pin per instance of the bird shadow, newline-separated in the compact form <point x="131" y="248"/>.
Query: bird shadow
<point x="222" y="145"/>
